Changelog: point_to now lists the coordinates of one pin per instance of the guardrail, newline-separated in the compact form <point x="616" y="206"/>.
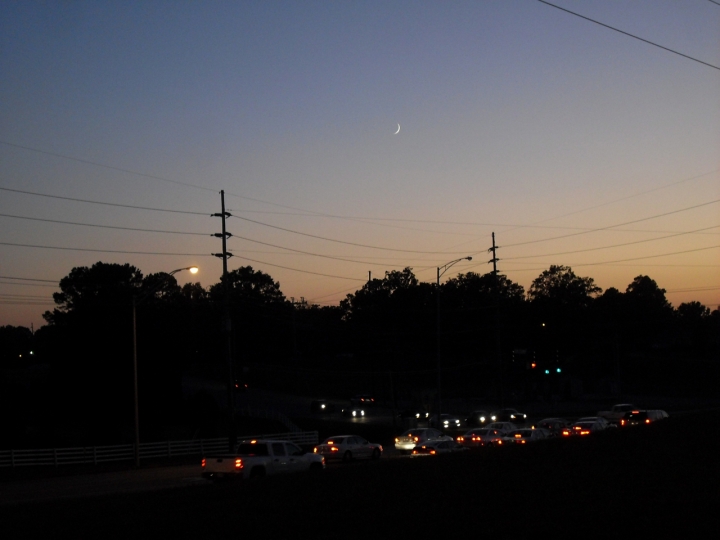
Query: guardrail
<point x="126" y="452"/>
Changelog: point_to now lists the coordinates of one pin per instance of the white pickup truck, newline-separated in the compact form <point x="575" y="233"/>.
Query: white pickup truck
<point x="617" y="412"/>
<point x="256" y="458"/>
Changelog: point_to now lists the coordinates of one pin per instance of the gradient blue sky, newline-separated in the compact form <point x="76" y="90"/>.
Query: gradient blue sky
<point x="516" y="117"/>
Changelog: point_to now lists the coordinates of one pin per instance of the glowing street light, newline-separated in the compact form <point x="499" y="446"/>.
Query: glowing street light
<point x="135" y="301"/>
<point x="440" y="271"/>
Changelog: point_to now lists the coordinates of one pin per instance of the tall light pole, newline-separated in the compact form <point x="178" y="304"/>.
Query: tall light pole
<point x="135" y="302"/>
<point x="440" y="271"/>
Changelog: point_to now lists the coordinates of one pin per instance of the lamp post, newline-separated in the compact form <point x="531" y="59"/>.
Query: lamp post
<point x="135" y="302"/>
<point x="440" y="271"/>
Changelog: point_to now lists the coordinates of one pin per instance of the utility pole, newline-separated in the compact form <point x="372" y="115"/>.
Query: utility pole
<point x="501" y="373"/>
<point x="227" y="325"/>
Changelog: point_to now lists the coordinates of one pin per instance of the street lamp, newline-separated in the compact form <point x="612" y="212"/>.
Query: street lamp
<point x="135" y="302"/>
<point x="440" y="271"/>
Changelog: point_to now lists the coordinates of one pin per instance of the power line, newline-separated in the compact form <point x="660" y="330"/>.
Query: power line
<point x="609" y="247"/>
<point x="305" y="252"/>
<point x="297" y="269"/>
<point x="136" y="173"/>
<point x="23" y="296"/>
<point x="304" y="212"/>
<point x="104" y="226"/>
<point x="613" y="201"/>
<point x="349" y="243"/>
<point x="631" y="35"/>
<point x="29" y="279"/>
<point x="106" y="203"/>
<point x="475" y="224"/>
<point x="104" y="166"/>
<point x="693" y="289"/>
<point x="28" y="284"/>
<point x="106" y="250"/>
<point x="614" y="226"/>
<point x="650" y="256"/>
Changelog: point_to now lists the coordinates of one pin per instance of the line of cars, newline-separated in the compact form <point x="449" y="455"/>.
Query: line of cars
<point x="503" y="433"/>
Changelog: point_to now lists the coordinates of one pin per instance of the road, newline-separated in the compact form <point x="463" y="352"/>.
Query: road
<point x="23" y="490"/>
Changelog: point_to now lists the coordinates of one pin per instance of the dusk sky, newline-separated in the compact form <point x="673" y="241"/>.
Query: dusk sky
<point x="576" y="144"/>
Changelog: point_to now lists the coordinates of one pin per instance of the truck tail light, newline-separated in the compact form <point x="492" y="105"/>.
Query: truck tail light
<point x="238" y="463"/>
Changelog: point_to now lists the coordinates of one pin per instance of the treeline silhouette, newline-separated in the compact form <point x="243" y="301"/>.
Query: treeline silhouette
<point x="491" y="339"/>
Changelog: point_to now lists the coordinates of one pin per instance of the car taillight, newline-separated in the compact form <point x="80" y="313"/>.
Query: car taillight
<point x="432" y="451"/>
<point x="334" y="449"/>
<point x="315" y="450"/>
<point x="414" y="451"/>
<point x="647" y="420"/>
<point x="238" y="463"/>
<point x="584" y="432"/>
<point x="203" y="462"/>
<point x="622" y="422"/>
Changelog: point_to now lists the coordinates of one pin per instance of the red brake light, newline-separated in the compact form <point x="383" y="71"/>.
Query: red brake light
<point x="238" y="463"/>
<point x="203" y="462"/>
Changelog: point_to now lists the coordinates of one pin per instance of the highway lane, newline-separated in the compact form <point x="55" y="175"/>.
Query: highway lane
<point x="24" y="490"/>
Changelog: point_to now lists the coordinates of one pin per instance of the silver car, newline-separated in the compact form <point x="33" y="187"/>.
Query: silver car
<point x="347" y="448"/>
<point x="413" y="437"/>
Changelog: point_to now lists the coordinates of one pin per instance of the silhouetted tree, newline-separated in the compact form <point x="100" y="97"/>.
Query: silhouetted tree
<point x="92" y="358"/>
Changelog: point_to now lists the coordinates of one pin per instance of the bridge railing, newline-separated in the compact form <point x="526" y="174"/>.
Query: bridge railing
<point x="126" y="452"/>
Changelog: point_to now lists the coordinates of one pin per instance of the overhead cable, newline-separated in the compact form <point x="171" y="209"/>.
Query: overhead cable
<point x="631" y="35"/>
<point x="105" y="203"/>
<point x="106" y="250"/>
<point x="613" y="226"/>
<point x="611" y="246"/>
<point x="104" y="226"/>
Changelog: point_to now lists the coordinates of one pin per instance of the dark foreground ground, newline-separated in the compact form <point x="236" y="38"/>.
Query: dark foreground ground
<point x="661" y="481"/>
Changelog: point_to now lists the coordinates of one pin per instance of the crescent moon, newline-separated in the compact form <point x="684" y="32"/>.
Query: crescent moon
<point x="398" y="131"/>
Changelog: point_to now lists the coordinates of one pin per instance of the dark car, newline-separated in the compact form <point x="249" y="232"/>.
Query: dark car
<point x="637" y="417"/>
<point x="554" y="425"/>
<point x="363" y="400"/>
<point x="508" y="415"/>
<point x="478" y="418"/>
